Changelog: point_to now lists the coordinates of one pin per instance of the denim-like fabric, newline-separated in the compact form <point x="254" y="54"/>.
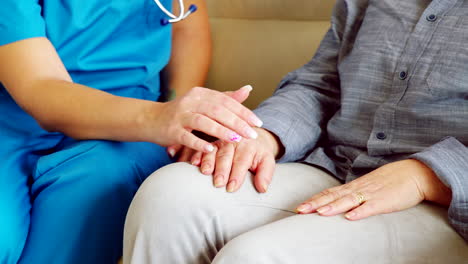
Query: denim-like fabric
<point x="389" y="82"/>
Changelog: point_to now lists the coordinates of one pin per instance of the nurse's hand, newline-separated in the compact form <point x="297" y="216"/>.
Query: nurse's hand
<point x="230" y="162"/>
<point x="390" y="188"/>
<point x="217" y="114"/>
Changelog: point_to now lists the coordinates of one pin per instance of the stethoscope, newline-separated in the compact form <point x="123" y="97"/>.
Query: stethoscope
<point x="174" y="18"/>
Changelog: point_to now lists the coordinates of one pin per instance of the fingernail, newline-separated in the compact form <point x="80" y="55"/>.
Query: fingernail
<point x="248" y="87"/>
<point x="231" y="186"/>
<point x="209" y="148"/>
<point x="323" y="209"/>
<point x="195" y="162"/>
<point x="256" y="121"/>
<point x="265" y="187"/>
<point x="304" y="208"/>
<point x="205" y="169"/>
<point x="350" y="215"/>
<point x="171" y="152"/>
<point x="251" y="133"/>
<point x="234" y="137"/>
<point x="218" y="181"/>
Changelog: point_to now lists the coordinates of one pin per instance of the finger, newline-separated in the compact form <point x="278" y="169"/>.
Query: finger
<point x="191" y="141"/>
<point x="185" y="155"/>
<point x="240" y="95"/>
<point x="208" y="161"/>
<point x="264" y="173"/>
<point x="367" y="209"/>
<point x="224" y="158"/>
<point x="341" y="205"/>
<point x="174" y="150"/>
<point x="208" y="126"/>
<point x="242" y="161"/>
<point x="196" y="158"/>
<point x="231" y="105"/>
<point x="226" y="120"/>
<point x="323" y="198"/>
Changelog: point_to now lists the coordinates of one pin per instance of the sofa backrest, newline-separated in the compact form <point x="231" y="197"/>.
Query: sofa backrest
<point x="257" y="42"/>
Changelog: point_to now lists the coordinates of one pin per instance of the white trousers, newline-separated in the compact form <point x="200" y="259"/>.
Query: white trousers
<point x="178" y="217"/>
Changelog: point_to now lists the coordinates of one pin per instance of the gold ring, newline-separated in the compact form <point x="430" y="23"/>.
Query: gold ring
<point x="360" y="198"/>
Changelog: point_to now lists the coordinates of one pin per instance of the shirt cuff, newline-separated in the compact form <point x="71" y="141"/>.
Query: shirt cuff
<point x="449" y="160"/>
<point x="282" y="126"/>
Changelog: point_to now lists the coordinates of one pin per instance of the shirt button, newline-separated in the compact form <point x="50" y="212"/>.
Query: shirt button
<point x="381" y="136"/>
<point x="402" y="75"/>
<point x="431" y="18"/>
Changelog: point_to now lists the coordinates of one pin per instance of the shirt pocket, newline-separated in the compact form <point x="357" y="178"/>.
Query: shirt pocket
<point x="448" y="78"/>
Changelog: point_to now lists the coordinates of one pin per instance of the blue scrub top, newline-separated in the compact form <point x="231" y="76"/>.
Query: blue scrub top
<point x="118" y="46"/>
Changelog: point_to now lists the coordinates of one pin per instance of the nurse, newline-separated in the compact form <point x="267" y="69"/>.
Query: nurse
<point x="80" y="125"/>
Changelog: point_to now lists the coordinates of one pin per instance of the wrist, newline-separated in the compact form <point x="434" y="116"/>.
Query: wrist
<point x="146" y="121"/>
<point x="272" y="141"/>
<point x="434" y="190"/>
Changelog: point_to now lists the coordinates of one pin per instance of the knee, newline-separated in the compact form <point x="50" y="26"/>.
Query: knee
<point x="173" y="188"/>
<point x="101" y="165"/>
<point x="119" y="161"/>
<point x="177" y="192"/>
<point x="177" y="195"/>
<point x="113" y="164"/>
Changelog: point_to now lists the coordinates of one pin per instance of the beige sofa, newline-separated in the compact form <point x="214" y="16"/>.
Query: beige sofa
<point x="257" y="42"/>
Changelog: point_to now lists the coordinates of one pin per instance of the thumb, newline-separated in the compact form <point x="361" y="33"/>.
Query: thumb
<point x="240" y="95"/>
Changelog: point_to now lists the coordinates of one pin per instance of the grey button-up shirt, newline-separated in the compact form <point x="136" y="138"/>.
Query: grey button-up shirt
<point x="389" y="82"/>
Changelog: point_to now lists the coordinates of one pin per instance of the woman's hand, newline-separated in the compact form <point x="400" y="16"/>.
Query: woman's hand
<point x="230" y="162"/>
<point x="390" y="188"/>
<point x="217" y="114"/>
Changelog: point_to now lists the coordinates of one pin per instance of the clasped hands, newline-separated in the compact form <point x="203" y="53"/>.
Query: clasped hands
<point x="390" y="188"/>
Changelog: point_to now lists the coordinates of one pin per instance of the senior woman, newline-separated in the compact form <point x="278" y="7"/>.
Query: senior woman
<point x="382" y="107"/>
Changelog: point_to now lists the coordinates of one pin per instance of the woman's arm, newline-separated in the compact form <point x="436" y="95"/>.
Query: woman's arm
<point x="191" y="50"/>
<point x="37" y="80"/>
<point x="35" y="77"/>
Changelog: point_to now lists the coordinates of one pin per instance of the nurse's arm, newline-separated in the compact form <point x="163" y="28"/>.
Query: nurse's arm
<point x="191" y="50"/>
<point x="36" y="78"/>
